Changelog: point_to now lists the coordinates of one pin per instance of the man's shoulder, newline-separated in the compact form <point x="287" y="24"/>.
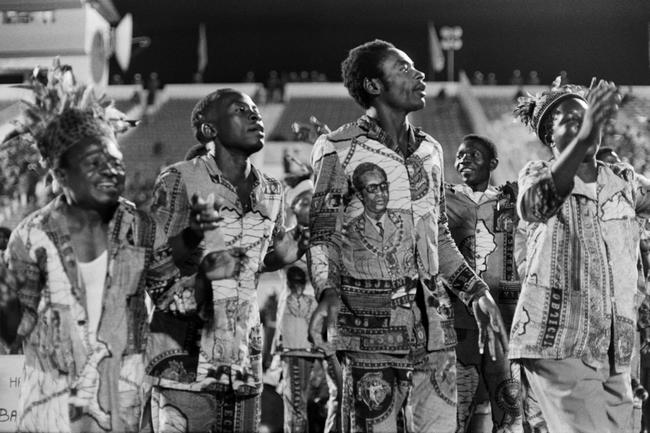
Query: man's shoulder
<point x="40" y="218"/>
<point x="346" y="132"/>
<point x="272" y="184"/>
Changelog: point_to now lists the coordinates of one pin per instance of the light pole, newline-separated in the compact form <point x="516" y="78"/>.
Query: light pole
<point x="451" y="41"/>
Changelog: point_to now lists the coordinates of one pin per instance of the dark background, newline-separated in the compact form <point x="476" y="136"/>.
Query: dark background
<point x="607" y="38"/>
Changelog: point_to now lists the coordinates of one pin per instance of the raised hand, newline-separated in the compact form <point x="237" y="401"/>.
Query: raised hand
<point x="603" y="99"/>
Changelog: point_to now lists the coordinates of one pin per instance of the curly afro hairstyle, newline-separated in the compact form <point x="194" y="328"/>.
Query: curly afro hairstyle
<point x="363" y="62"/>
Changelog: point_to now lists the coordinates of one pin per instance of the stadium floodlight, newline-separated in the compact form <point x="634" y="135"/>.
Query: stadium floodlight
<point x="452" y="40"/>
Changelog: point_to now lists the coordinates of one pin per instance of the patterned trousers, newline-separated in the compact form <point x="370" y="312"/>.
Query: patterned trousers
<point x="304" y="378"/>
<point x="172" y="410"/>
<point x="383" y="393"/>
<point x="501" y="378"/>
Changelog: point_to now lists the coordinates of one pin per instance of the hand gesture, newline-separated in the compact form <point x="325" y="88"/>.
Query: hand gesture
<point x="488" y="318"/>
<point x="290" y="245"/>
<point x="180" y="297"/>
<point x="204" y="213"/>
<point x="326" y="313"/>
<point x="219" y="265"/>
<point x="603" y="99"/>
<point x="309" y="132"/>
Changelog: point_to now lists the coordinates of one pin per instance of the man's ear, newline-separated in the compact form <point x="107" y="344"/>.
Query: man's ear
<point x="372" y="85"/>
<point x="494" y="162"/>
<point x="208" y="131"/>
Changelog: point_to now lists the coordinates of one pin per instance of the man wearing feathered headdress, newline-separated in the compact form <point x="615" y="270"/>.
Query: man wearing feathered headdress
<point x="84" y="262"/>
<point x="574" y="327"/>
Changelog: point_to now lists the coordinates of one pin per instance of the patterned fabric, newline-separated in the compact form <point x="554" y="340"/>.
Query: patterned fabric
<point x="300" y="362"/>
<point x="484" y="232"/>
<point x="500" y="378"/>
<point x="294" y="313"/>
<point x="229" y="356"/>
<point x="580" y="284"/>
<point x="178" y="411"/>
<point x="384" y="393"/>
<point x="71" y="382"/>
<point x="376" y="276"/>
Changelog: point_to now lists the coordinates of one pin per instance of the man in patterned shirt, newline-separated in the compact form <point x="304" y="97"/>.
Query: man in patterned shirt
<point x="85" y="260"/>
<point x="482" y="221"/>
<point x="392" y="323"/>
<point x="210" y="379"/>
<point x="575" y="323"/>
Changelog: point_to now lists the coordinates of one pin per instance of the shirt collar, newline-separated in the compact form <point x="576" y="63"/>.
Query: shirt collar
<point x="478" y="197"/>
<point x="216" y="173"/>
<point x="375" y="132"/>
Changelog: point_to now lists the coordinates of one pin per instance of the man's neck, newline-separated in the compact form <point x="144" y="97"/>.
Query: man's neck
<point x="82" y="216"/>
<point x="394" y="123"/>
<point x="88" y="230"/>
<point x="234" y="166"/>
<point x="479" y="187"/>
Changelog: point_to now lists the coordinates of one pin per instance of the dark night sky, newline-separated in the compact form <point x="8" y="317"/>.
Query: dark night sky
<point x="607" y="38"/>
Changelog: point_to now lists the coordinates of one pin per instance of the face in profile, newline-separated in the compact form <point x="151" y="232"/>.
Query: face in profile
<point x="239" y="123"/>
<point x="92" y="172"/>
<point x="403" y="85"/>
<point x="374" y="193"/>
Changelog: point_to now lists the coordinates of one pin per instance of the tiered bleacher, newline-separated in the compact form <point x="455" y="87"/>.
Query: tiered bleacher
<point x="333" y="111"/>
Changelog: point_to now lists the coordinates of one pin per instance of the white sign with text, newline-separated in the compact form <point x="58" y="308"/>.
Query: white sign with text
<point x="11" y="371"/>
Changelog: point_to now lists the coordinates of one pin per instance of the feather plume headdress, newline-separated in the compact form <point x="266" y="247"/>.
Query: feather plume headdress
<point x="46" y="123"/>
<point x="531" y="109"/>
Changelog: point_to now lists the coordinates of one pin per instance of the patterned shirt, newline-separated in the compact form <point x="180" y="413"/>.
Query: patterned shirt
<point x="580" y="284"/>
<point x="378" y="275"/>
<point x="483" y="226"/>
<point x="229" y="353"/>
<point x="70" y="379"/>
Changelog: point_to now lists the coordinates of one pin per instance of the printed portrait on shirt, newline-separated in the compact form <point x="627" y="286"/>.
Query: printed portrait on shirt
<point x="377" y="235"/>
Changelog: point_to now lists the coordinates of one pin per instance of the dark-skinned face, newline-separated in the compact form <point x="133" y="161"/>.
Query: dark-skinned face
<point x="93" y="173"/>
<point x="403" y="85"/>
<point x="473" y="163"/>
<point x="567" y="120"/>
<point x="238" y="123"/>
